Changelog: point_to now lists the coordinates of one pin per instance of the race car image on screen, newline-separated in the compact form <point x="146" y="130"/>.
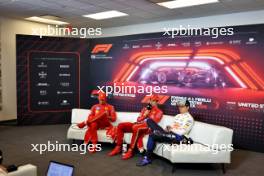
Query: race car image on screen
<point x="206" y="73"/>
<point x="184" y="74"/>
<point x="219" y="68"/>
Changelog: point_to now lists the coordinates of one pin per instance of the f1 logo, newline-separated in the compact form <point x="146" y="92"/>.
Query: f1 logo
<point x="102" y="48"/>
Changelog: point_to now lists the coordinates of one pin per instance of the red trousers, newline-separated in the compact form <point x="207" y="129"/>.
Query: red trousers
<point x="91" y="133"/>
<point x="138" y="132"/>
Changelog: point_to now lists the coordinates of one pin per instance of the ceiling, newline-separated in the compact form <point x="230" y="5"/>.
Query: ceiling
<point x="140" y="11"/>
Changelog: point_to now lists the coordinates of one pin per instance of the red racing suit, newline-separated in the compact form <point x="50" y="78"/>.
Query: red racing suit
<point x="138" y="129"/>
<point x="100" y="117"/>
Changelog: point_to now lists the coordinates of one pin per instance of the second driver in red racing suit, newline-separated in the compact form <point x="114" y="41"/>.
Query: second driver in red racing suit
<point x="138" y="129"/>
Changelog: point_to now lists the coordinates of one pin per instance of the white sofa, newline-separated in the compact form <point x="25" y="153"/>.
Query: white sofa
<point x="206" y="137"/>
<point x="25" y="170"/>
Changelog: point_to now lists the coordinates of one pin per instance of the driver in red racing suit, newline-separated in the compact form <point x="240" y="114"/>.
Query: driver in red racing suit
<point x="101" y="116"/>
<point x="138" y="129"/>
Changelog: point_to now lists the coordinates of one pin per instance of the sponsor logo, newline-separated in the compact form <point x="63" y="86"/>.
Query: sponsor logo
<point x="64" y="92"/>
<point x="64" y="103"/>
<point x="65" y="84"/>
<point x="64" y="74"/>
<point x="43" y="92"/>
<point x="64" y="66"/>
<point x="42" y="75"/>
<point x="43" y="84"/>
<point x="42" y="65"/>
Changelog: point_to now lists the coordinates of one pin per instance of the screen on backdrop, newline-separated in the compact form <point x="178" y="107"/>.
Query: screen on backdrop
<point x="221" y="76"/>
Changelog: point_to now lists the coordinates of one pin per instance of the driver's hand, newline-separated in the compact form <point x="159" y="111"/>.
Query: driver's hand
<point x="146" y="113"/>
<point x="168" y="128"/>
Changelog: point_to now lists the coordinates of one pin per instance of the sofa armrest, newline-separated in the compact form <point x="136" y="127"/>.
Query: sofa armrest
<point x="79" y="115"/>
<point x="211" y="135"/>
<point x="25" y="170"/>
<point x="224" y="137"/>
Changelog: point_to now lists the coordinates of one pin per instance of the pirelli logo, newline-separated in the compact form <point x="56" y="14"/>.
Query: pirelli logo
<point x="103" y="48"/>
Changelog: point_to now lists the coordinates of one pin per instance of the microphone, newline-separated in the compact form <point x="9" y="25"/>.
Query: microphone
<point x="149" y="106"/>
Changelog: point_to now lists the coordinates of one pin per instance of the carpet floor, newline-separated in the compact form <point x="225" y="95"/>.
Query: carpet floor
<point x="15" y="142"/>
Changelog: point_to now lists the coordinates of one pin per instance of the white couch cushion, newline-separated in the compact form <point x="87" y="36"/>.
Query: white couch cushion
<point x="211" y="134"/>
<point x="126" y="117"/>
<point x="80" y="115"/>
<point x="76" y="133"/>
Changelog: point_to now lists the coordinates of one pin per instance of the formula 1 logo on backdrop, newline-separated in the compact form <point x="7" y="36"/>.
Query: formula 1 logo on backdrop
<point x="104" y="48"/>
<point x="100" y="51"/>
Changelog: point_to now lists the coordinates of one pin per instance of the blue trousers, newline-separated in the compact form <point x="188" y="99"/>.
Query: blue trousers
<point x="158" y="134"/>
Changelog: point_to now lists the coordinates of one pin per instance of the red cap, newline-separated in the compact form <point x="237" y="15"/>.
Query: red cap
<point x="102" y="96"/>
<point x="154" y="98"/>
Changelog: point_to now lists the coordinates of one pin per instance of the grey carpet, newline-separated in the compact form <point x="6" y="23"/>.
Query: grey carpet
<point x="15" y="141"/>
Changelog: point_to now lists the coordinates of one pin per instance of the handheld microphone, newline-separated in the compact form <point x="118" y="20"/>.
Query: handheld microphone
<point x="149" y="106"/>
